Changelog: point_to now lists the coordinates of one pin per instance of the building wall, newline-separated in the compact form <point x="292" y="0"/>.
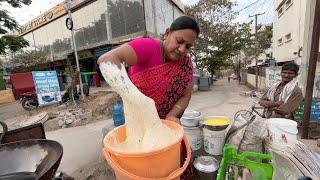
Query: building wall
<point x="160" y="14"/>
<point x="89" y="27"/>
<point x="99" y="22"/>
<point x="288" y="29"/>
<point x="251" y="80"/>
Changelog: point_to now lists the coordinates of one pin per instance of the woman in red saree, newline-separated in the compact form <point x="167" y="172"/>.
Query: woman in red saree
<point x="162" y="70"/>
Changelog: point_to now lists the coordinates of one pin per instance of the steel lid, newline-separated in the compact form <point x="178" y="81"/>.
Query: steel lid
<point x="206" y="164"/>
<point x="191" y="115"/>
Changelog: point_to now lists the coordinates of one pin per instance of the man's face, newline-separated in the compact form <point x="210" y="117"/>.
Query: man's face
<point x="287" y="75"/>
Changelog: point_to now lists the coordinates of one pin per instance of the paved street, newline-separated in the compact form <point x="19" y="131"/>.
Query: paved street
<point x="223" y="99"/>
<point x="82" y="145"/>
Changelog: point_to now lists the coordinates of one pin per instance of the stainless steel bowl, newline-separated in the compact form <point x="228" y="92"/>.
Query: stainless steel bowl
<point x="191" y="119"/>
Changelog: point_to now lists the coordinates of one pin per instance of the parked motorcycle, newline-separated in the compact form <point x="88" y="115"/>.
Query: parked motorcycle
<point x="29" y="101"/>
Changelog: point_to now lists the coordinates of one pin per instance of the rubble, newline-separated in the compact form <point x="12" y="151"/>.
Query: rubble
<point x="77" y="117"/>
<point x="252" y="93"/>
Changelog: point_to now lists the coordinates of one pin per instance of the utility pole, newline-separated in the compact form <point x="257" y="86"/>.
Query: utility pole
<point x="314" y="53"/>
<point x="69" y="24"/>
<point x="239" y="66"/>
<point x="256" y="43"/>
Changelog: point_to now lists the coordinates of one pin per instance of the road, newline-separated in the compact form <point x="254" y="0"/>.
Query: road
<point x="82" y="145"/>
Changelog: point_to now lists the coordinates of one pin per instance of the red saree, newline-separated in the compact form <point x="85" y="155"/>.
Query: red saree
<point x="165" y="83"/>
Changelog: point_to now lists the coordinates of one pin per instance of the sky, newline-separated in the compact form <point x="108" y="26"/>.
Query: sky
<point x="246" y="8"/>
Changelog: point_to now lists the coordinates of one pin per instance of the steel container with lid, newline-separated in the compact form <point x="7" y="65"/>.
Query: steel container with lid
<point x="191" y="119"/>
<point x="207" y="167"/>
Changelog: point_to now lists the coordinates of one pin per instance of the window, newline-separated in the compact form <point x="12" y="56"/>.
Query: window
<point x="280" y="41"/>
<point x="280" y="12"/>
<point x="288" y="37"/>
<point x="288" y="3"/>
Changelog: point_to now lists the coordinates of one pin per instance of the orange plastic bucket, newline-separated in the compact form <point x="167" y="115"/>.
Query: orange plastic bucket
<point x="161" y="163"/>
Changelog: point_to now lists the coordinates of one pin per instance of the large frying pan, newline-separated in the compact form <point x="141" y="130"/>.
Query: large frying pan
<point x="29" y="159"/>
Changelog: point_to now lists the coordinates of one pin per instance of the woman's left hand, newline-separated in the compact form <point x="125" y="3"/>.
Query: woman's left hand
<point x="174" y="119"/>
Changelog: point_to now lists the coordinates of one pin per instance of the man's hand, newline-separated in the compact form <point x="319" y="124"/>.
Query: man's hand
<point x="278" y="103"/>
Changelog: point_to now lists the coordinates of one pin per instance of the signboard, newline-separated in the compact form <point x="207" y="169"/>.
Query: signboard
<point x="273" y="75"/>
<point x="98" y="52"/>
<point x="48" y="16"/>
<point x="47" y="87"/>
<point x="315" y="111"/>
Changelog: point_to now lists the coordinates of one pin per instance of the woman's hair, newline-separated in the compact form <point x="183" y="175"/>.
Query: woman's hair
<point x="185" y="22"/>
<point x="291" y="66"/>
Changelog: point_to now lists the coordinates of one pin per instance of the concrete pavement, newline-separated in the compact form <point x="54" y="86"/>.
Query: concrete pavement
<point x="82" y="145"/>
<point x="222" y="100"/>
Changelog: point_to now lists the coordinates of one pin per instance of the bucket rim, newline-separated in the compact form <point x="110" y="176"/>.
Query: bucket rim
<point x="118" y="152"/>
<point x="287" y="130"/>
<point x="277" y="121"/>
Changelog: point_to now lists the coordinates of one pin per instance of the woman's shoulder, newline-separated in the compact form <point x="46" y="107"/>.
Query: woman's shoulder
<point x="144" y="42"/>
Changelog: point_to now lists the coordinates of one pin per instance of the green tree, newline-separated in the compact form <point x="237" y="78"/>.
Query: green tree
<point x="32" y="58"/>
<point x="8" y="23"/>
<point x="264" y="41"/>
<point x="220" y="39"/>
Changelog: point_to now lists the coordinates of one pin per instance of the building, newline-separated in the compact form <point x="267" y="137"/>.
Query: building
<point x="292" y="19"/>
<point x="288" y="30"/>
<point x="99" y="26"/>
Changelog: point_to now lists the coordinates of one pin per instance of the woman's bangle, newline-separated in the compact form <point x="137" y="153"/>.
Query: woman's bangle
<point x="178" y="107"/>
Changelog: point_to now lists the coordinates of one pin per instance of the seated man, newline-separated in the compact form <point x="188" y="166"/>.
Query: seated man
<point x="284" y="97"/>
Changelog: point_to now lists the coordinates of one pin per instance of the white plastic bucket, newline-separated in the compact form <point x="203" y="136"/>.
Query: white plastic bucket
<point x="281" y="132"/>
<point x="194" y="136"/>
<point x="214" y="141"/>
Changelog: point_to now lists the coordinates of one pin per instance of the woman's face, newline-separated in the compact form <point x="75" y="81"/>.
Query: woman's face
<point x="178" y="43"/>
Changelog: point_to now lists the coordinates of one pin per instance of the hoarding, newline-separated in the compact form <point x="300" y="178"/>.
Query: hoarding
<point x="47" y="87"/>
<point x="273" y="75"/>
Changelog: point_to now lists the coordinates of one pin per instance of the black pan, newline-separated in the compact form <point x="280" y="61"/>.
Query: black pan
<point x="30" y="159"/>
<point x="23" y="157"/>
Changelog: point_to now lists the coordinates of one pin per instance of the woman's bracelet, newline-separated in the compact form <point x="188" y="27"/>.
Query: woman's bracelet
<point x="178" y="107"/>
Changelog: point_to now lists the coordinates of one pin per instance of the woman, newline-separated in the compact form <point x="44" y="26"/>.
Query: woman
<point x="162" y="70"/>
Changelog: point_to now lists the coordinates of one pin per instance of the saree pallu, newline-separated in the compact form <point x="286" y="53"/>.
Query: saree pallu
<point x="165" y="83"/>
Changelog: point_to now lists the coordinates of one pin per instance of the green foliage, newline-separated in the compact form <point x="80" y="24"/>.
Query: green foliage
<point x="220" y="39"/>
<point x="7" y="23"/>
<point x="31" y="58"/>
<point x="264" y="41"/>
<point x="13" y="43"/>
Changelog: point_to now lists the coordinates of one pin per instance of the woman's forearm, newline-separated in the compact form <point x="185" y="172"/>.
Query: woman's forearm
<point x="179" y="107"/>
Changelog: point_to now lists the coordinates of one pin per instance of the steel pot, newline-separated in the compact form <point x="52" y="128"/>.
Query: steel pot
<point x="191" y="119"/>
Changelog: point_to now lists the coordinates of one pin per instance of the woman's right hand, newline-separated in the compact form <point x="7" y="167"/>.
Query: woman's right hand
<point x="174" y="119"/>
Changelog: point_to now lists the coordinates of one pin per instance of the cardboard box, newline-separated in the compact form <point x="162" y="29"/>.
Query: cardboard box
<point x="6" y="96"/>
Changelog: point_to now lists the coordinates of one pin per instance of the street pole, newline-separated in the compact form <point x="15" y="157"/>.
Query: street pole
<point x="34" y="43"/>
<point x="239" y="73"/>
<point x="314" y="53"/>
<point x="75" y="48"/>
<point x="256" y="44"/>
